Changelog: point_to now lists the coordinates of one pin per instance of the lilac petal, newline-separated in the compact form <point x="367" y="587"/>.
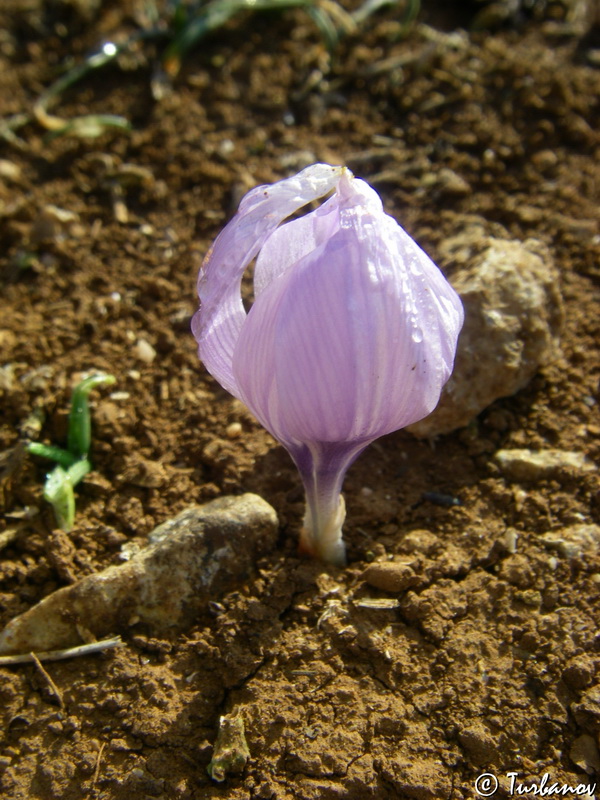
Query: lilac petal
<point x="357" y="340"/>
<point x="292" y="241"/>
<point x="218" y="323"/>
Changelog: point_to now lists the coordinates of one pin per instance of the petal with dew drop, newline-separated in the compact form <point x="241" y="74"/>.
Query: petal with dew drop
<point x="334" y="349"/>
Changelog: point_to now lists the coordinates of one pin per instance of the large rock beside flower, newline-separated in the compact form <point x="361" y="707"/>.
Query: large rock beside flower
<point x="513" y="315"/>
<point x="190" y="560"/>
<point x="521" y="464"/>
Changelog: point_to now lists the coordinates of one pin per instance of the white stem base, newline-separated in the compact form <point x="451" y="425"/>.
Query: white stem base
<point x="321" y="535"/>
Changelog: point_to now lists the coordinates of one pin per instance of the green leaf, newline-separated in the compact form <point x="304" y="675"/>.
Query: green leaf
<point x="52" y="452"/>
<point x="80" y="427"/>
<point x="90" y="126"/>
<point x="329" y="33"/>
<point x="212" y="16"/>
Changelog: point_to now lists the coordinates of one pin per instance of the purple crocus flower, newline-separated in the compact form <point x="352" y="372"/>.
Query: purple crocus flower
<point x="352" y="333"/>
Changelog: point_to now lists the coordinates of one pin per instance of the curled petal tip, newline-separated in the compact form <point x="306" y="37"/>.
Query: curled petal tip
<point x="219" y="321"/>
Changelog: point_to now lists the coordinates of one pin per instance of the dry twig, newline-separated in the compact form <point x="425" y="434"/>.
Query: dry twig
<point x="53" y="687"/>
<point x="58" y="655"/>
<point x="97" y="768"/>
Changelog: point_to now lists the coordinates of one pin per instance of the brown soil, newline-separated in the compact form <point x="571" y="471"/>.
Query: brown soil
<point x="491" y="661"/>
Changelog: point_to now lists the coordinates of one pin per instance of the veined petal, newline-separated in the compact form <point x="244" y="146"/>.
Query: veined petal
<point x="292" y="241"/>
<point x="221" y="316"/>
<point x="356" y="340"/>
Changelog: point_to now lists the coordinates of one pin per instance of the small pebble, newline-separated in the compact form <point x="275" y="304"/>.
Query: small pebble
<point x="509" y="540"/>
<point x="234" y="430"/>
<point x="544" y="159"/>
<point x="137" y="772"/>
<point x="144" y="351"/>
<point x="8" y="536"/>
<point x="420" y="541"/>
<point x="451" y="183"/>
<point x="226" y="147"/>
<point x="9" y="170"/>
<point x="390" y="576"/>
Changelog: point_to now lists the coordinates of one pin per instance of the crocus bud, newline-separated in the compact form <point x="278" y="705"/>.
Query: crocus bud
<point x="352" y="332"/>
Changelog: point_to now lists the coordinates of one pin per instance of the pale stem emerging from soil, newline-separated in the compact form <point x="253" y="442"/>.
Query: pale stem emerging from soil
<point x="323" y="468"/>
<point x="321" y="533"/>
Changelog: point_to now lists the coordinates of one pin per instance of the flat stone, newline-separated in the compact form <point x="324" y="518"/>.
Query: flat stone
<point x="579" y="672"/>
<point x="195" y="557"/>
<point x="420" y="779"/>
<point x="513" y="315"/>
<point x="451" y="183"/>
<point x="420" y="541"/>
<point x="479" y="744"/>
<point x="587" y="710"/>
<point x="141" y="472"/>
<point x="390" y="576"/>
<point x="535" y="465"/>
<point x="584" y="753"/>
<point x="575" y="541"/>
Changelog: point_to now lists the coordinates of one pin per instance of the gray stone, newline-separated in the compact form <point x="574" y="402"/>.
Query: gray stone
<point x="575" y="541"/>
<point x="195" y="557"/>
<point x="535" y="465"/>
<point x="584" y="754"/>
<point x="587" y="711"/>
<point x="513" y="315"/>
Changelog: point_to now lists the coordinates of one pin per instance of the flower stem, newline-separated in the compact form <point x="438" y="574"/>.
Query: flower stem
<point x="321" y="534"/>
<point x="323" y="468"/>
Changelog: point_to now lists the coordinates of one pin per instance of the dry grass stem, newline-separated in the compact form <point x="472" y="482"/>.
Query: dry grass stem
<point x="59" y="655"/>
<point x="53" y="687"/>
